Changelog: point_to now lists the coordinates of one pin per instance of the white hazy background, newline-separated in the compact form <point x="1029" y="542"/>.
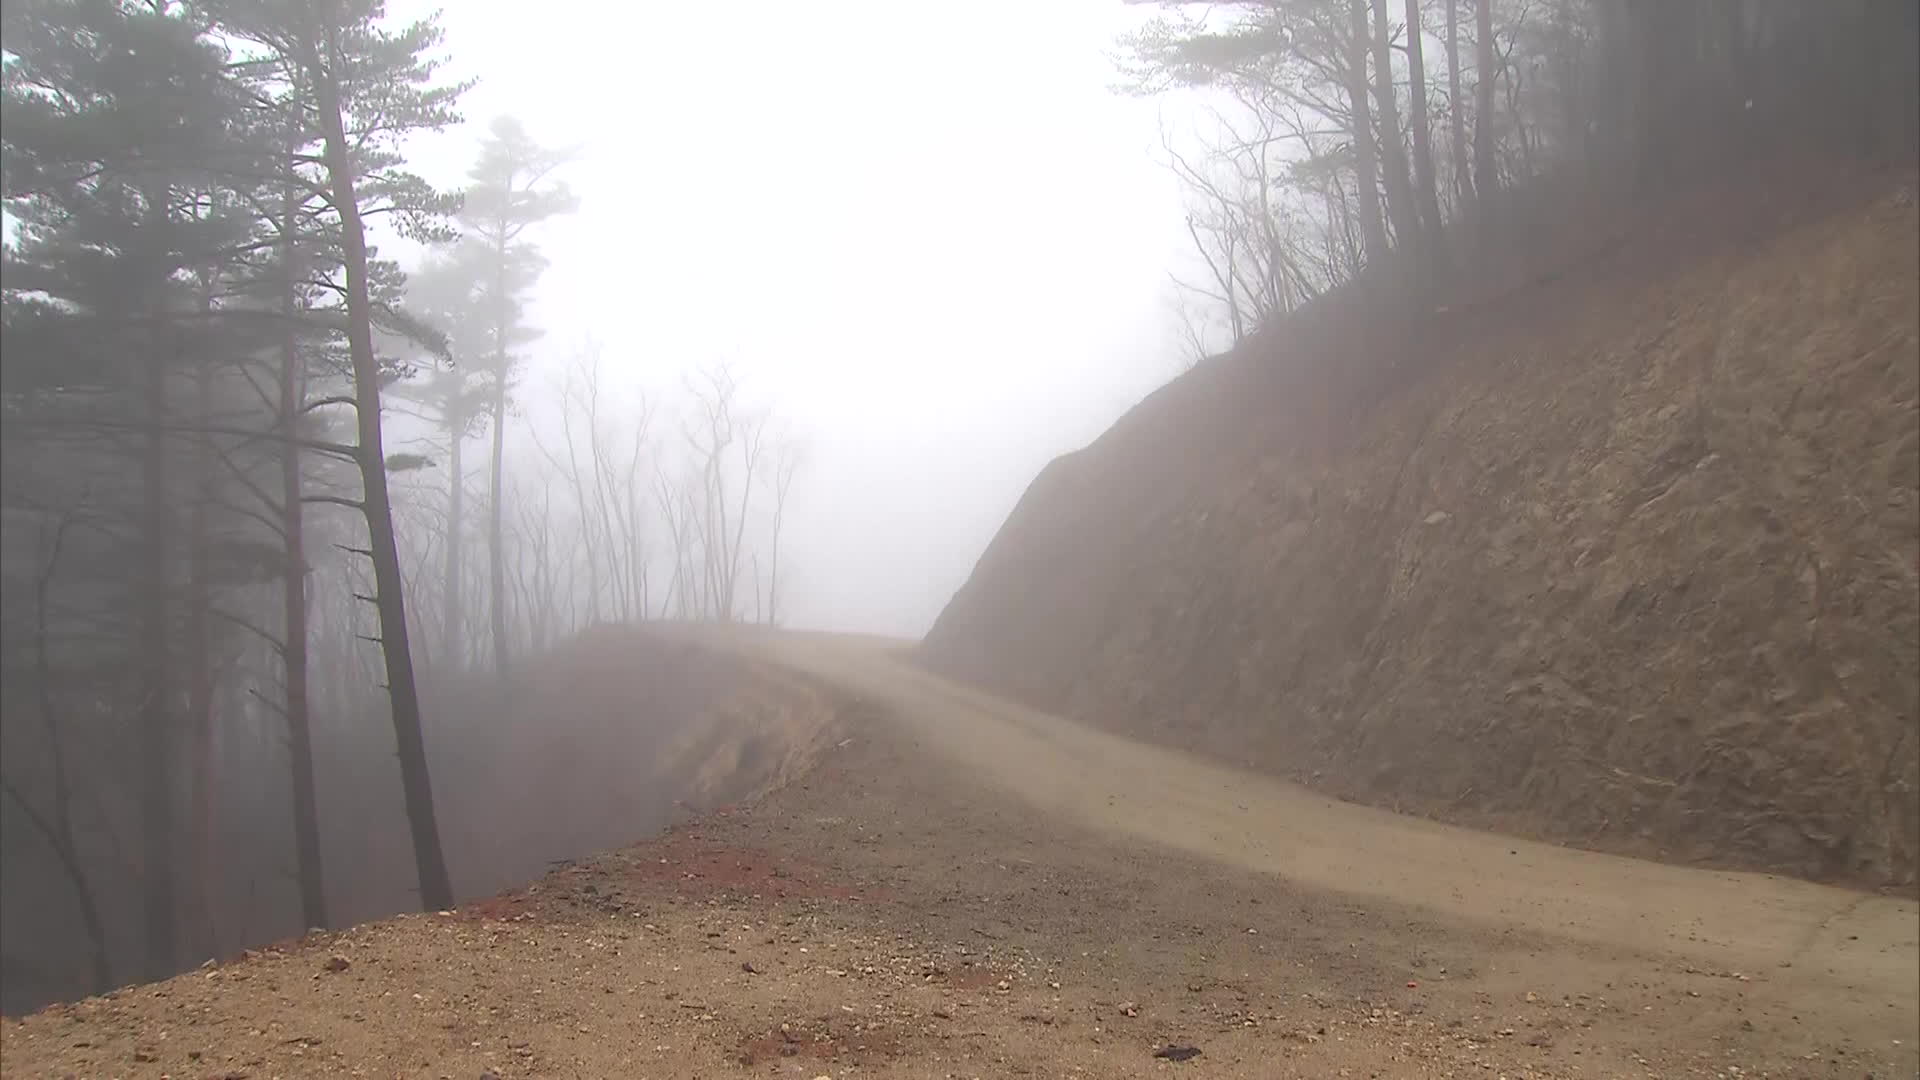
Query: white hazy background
<point x="930" y="236"/>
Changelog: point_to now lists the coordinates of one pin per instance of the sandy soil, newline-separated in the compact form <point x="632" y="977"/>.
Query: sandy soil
<point x="962" y="888"/>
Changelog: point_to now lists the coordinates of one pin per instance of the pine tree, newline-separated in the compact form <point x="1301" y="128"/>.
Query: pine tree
<point x="109" y="112"/>
<point x="513" y="190"/>
<point x="445" y="293"/>
<point x="353" y="88"/>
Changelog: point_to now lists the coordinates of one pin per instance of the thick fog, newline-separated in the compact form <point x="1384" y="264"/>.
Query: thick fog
<point x="765" y="314"/>
<point x="324" y="568"/>
<point x="930" y="236"/>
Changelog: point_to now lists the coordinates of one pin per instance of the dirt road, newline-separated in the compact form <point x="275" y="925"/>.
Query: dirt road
<point x="1863" y="946"/>
<point x="1850" y="959"/>
<point x="963" y="888"/>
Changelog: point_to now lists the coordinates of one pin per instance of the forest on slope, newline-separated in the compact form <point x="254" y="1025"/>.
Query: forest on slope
<point x="303" y="513"/>
<point x="1566" y="481"/>
<point x="287" y="516"/>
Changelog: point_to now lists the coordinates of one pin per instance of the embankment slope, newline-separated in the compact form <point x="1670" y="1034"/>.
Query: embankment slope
<point x="1628" y="558"/>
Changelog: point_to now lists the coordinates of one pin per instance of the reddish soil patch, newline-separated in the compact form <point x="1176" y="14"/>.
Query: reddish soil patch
<point x="683" y="862"/>
<point x="290" y="946"/>
<point x="506" y="907"/>
<point x="690" y="863"/>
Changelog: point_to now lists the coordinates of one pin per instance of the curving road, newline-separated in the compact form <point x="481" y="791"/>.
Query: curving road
<point x="1849" y="957"/>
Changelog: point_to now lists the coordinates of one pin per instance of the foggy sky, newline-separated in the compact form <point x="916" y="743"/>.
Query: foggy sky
<point x="929" y="235"/>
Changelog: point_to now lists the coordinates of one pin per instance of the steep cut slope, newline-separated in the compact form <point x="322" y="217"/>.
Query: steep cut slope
<point x="1629" y="558"/>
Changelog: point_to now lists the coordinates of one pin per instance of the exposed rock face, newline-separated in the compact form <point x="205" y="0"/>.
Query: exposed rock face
<point x="1630" y="560"/>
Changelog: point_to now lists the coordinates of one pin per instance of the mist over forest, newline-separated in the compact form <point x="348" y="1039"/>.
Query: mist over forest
<point x="361" y="359"/>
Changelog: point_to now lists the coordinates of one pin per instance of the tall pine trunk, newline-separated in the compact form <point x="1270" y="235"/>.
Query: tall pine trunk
<point x="199" y="647"/>
<point x="1457" y="114"/>
<point x="60" y="832"/>
<point x="453" y="637"/>
<point x="156" y="687"/>
<point x="293" y="598"/>
<point x="496" y="480"/>
<point x="1423" y="137"/>
<point x="1486" y="181"/>
<point x="436" y="889"/>
<point x="1393" y="149"/>
<point x="1366" y="172"/>
<point x="156" y="713"/>
<point x="496" y="519"/>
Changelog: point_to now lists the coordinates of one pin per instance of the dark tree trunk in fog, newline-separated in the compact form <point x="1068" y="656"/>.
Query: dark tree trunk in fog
<point x="306" y="812"/>
<point x="59" y="830"/>
<point x="199" y="647"/>
<point x="453" y="635"/>
<point x="496" y="473"/>
<point x="156" y="712"/>
<point x="1367" y="176"/>
<point x="1393" y="149"/>
<point x="436" y="889"/>
<point x="496" y="524"/>
<point x="1423" y="137"/>
<point x="496" y="477"/>
<point x="1457" y="113"/>
<point x="59" y="837"/>
<point x="1486" y="181"/>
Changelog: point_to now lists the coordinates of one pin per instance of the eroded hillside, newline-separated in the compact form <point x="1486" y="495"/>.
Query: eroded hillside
<point x="1626" y="558"/>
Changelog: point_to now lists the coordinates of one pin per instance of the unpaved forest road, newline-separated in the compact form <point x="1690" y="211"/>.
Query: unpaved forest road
<point x="1730" y="922"/>
<point x="962" y="888"/>
<point x="1840" y="957"/>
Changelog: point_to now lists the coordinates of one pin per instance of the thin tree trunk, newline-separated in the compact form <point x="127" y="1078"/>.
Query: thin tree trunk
<point x="156" y="682"/>
<point x="589" y="546"/>
<point x="1456" y="114"/>
<point x="453" y="634"/>
<point x="496" y="529"/>
<point x="156" y="714"/>
<point x="773" y="574"/>
<point x="69" y="860"/>
<point x="496" y="485"/>
<point x="1486" y="181"/>
<point x="199" y="646"/>
<point x="1340" y="209"/>
<point x="605" y="502"/>
<point x="306" y="813"/>
<point x="749" y="461"/>
<point x="636" y="548"/>
<point x="1367" y="176"/>
<point x="783" y="481"/>
<point x="1423" y="136"/>
<point x="60" y="829"/>
<point x="1401" y="209"/>
<point x="436" y="889"/>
